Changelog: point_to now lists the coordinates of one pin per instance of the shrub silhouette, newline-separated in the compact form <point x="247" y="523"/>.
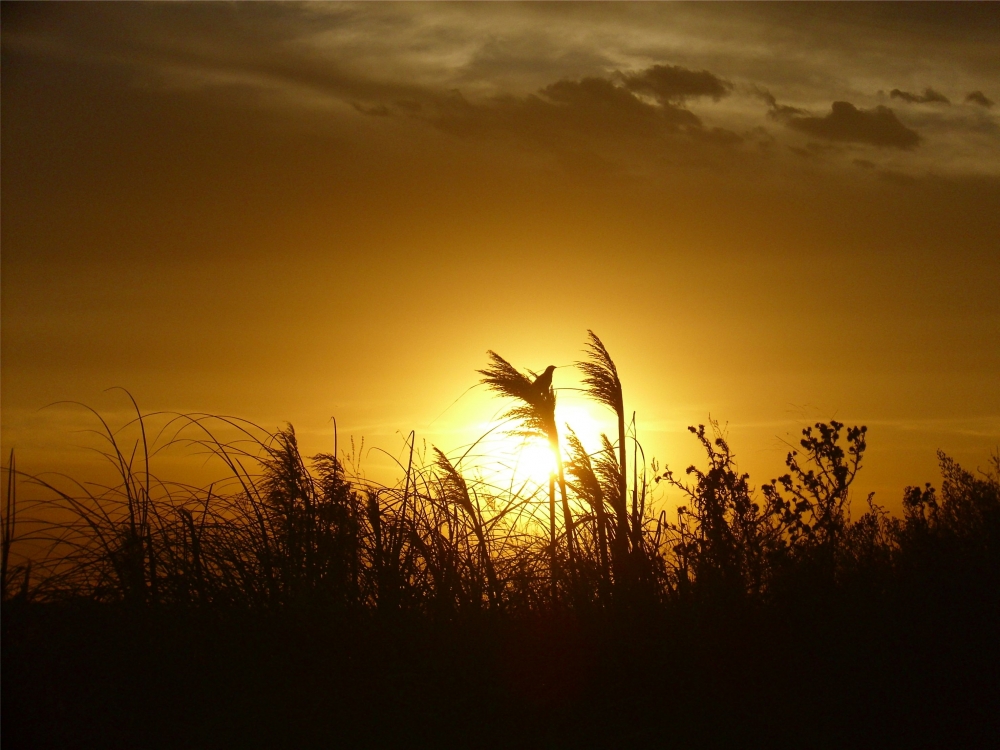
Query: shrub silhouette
<point x="725" y="539"/>
<point x="951" y="541"/>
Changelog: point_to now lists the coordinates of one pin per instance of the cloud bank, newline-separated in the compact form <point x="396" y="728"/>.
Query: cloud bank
<point x="674" y="81"/>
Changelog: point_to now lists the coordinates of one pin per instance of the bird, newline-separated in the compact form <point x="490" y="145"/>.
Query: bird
<point x="543" y="382"/>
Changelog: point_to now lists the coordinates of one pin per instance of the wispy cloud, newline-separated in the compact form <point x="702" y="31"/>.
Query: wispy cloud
<point x="978" y="97"/>
<point x="930" y="96"/>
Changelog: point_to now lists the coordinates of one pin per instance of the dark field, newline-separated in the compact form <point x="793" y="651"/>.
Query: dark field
<point x="916" y="673"/>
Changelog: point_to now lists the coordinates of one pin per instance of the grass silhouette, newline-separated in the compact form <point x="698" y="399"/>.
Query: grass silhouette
<point x="443" y="586"/>
<point x="535" y="413"/>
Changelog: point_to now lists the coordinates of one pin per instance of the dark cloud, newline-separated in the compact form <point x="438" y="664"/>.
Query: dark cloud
<point x="930" y="96"/>
<point x="783" y="112"/>
<point x="978" y="97"/>
<point x="599" y="99"/>
<point x="674" y="83"/>
<point x="591" y="125"/>
<point x="587" y="110"/>
<point x="594" y="108"/>
<point x="776" y="111"/>
<point x="878" y="126"/>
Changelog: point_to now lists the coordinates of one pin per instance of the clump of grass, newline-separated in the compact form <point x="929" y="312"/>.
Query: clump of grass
<point x="9" y="574"/>
<point x="454" y="489"/>
<point x="535" y="413"/>
<point x="604" y="386"/>
<point x="587" y="486"/>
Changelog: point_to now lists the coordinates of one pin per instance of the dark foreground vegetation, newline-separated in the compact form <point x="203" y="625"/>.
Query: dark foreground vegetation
<point x="300" y="605"/>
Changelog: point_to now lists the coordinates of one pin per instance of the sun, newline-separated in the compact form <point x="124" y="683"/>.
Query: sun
<point x="530" y="460"/>
<point x="509" y="462"/>
<point x="533" y="460"/>
<point x="517" y="463"/>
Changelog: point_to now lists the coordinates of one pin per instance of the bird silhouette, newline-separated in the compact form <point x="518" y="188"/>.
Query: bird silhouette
<point x="543" y="382"/>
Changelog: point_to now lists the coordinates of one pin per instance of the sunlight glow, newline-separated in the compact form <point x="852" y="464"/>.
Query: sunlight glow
<point x="488" y="451"/>
<point x="581" y="418"/>
<point x="533" y="460"/>
<point x="512" y="459"/>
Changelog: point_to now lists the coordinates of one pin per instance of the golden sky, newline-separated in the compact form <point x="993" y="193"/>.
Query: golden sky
<point x="771" y="214"/>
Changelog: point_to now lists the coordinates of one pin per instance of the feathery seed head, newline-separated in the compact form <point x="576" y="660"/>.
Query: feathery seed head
<point x="536" y="412"/>
<point x="601" y="375"/>
<point x="581" y="471"/>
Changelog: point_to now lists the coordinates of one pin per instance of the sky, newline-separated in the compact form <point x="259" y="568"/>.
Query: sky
<point x="772" y="215"/>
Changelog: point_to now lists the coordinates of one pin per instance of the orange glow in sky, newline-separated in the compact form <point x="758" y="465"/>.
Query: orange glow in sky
<point x="772" y="215"/>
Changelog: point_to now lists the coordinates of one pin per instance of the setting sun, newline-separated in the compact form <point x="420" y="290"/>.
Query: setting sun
<point x="506" y="457"/>
<point x="532" y="460"/>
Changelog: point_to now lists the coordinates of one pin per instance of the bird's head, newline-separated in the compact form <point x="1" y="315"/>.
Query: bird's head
<point x="544" y="381"/>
